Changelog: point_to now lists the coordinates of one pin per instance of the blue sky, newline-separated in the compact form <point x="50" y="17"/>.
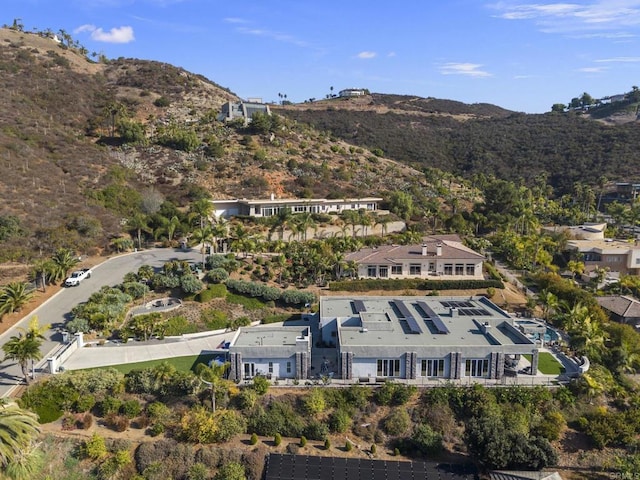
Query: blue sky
<point x="520" y="55"/>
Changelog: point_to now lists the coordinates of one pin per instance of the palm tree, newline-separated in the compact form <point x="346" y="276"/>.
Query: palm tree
<point x="383" y="221"/>
<point x="64" y="260"/>
<point x="204" y="236"/>
<point x="138" y="222"/>
<point x="23" y="348"/>
<point x="211" y="376"/>
<point x="202" y="210"/>
<point x="18" y="429"/>
<point x="13" y="296"/>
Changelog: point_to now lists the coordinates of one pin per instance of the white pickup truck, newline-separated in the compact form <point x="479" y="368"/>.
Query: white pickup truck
<point x="76" y="277"/>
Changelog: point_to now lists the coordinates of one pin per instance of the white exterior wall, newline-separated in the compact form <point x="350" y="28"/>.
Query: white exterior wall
<point x="261" y="366"/>
<point x="368" y="367"/>
<point x="436" y="273"/>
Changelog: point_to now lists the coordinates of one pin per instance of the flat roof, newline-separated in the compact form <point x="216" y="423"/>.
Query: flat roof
<point x="401" y="321"/>
<point x="606" y="246"/>
<point x="285" y="201"/>
<point x="271" y="337"/>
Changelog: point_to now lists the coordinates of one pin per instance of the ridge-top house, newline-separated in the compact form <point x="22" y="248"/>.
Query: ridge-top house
<point x="437" y="256"/>
<point x="272" y="206"/>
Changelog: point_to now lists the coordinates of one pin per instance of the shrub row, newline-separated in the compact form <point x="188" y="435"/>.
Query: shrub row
<point x="254" y="289"/>
<point x="365" y="285"/>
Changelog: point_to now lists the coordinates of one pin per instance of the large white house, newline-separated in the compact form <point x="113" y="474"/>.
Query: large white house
<point x="272" y="206"/>
<point x="437" y="257"/>
<point x="411" y="338"/>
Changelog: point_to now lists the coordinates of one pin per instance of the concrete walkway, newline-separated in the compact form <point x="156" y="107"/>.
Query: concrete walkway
<point x="133" y="351"/>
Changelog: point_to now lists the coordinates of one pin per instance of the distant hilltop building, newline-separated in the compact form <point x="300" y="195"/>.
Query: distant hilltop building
<point x="353" y="92"/>
<point x="245" y="110"/>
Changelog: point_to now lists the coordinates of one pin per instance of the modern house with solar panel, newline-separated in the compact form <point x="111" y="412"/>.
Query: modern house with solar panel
<point x="422" y="338"/>
<point x="272" y="352"/>
<point x="438" y="257"/>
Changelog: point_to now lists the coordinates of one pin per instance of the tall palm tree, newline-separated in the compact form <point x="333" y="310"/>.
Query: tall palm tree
<point x="23" y="348"/>
<point x="18" y="429"/>
<point x="202" y="210"/>
<point x="13" y="296"/>
<point x="138" y="223"/>
<point x="64" y="260"/>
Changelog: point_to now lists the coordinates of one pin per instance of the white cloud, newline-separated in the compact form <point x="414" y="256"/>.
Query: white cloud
<point x="469" y="69"/>
<point x="619" y="60"/>
<point x="559" y="17"/>
<point x="115" y="35"/>
<point x="235" y="20"/>
<point x="281" y="37"/>
<point x="391" y="54"/>
<point x="367" y="55"/>
<point x="593" y="69"/>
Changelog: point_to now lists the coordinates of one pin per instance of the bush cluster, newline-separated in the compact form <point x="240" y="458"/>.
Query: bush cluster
<point x="254" y="289"/>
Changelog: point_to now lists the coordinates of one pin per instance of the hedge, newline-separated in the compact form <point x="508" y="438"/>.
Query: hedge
<point x="412" y="284"/>
<point x="267" y="293"/>
<point x="213" y="291"/>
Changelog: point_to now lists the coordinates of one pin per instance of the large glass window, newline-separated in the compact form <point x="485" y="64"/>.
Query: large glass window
<point x="433" y="368"/>
<point x="471" y="269"/>
<point x="415" y="269"/>
<point x="372" y="270"/>
<point x="396" y="269"/>
<point x="459" y="269"/>
<point x="477" y="367"/>
<point x="249" y="370"/>
<point x="448" y="269"/>
<point x="383" y="271"/>
<point x="389" y="368"/>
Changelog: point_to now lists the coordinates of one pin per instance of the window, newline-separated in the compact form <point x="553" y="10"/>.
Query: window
<point x="415" y="269"/>
<point x="471" y="269"/>
<point x="448" y="269"/>
<point x="270" y="367"/>
<point x="249" y="370"/>
<point x="459" y="269"/>
<point x="396" y="269"/>
<point x="372" y="270"/>
<point x="389" y="368"/>
<point x="288" y="367"/>
<point x="433" y="368"/>
<point x="383" y="271"/>
<point x="477" y="367"/>
<point x="432" y="267"/>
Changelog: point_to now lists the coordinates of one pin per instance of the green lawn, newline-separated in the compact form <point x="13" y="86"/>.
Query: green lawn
<point x="547" y="364"/>
<point x="182" y="364"/>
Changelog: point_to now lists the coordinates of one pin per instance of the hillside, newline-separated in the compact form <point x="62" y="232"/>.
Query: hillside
<point x="83" y="143"/>
<point x="471" y="139"/>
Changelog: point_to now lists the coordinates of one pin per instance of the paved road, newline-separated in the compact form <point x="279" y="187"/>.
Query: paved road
<point x="57" y="310"/>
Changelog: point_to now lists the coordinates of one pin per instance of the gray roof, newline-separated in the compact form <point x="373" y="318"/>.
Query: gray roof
<point x="621" y="305"/>
<point x="451" y="249"/>
<point x="523" y="475"/>
<point x="271" y="339"/>
<point x="402" y="322"/>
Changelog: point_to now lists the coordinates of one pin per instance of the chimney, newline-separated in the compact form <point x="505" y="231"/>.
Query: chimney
<point x="454" y="312"/>
<point x="485" y="327"/>
<point x="439" y="250"/>
<point x="424" y="249"/>
<point x="273" y="196"/>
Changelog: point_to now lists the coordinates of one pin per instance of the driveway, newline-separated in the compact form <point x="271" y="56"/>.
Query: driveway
<point x="57" y="310"/>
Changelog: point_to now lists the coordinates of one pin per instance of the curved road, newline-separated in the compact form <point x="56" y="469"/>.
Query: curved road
<point x="57" y="310"/>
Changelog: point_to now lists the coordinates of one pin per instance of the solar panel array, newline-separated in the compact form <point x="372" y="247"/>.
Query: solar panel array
<point x="407" y="315"/>
<point x="457" y="304"/>
<point x="473" y="312"/>
<point x="439" y="325"/>
<point x="358" y="306"/>
<point x="306" y="467"/>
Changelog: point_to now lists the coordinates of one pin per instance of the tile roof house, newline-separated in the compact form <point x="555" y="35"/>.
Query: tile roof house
<point x="621" y="308"/>
<point x="615" y="255"/>
<point x="437" y="257"/>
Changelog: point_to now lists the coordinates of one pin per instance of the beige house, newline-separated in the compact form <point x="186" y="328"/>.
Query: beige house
<point x="586" y="231"/>
<point x="438" y="257"/>
<point x="615" y="255"/>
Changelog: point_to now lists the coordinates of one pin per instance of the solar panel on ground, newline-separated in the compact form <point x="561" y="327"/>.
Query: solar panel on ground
<point x="407" y="315"/>
<point x="359" y="306"/>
